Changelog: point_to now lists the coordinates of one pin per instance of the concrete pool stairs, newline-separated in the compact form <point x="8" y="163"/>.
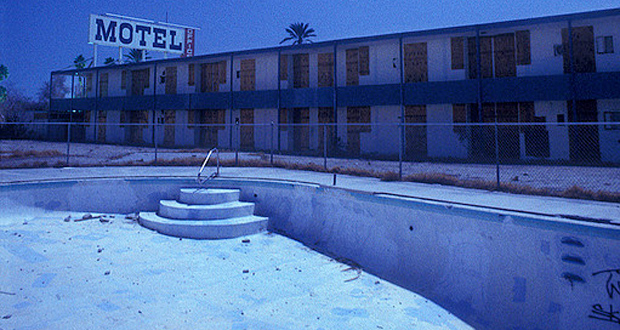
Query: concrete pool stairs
<point x="202" y="213"/>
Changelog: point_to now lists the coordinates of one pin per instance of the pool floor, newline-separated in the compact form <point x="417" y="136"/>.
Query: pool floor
<point x="118" y="275"/>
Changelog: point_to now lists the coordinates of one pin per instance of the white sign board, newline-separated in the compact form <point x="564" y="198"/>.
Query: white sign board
<point x="118" y="32"/>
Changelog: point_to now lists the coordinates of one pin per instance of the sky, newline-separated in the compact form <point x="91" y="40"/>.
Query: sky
<point x="38" y="37"/>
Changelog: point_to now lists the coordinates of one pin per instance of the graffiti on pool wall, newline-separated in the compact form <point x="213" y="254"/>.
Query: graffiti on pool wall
<point x="612" y="286"/>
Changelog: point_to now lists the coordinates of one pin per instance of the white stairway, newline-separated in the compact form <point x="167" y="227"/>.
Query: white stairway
<point x="203" y="213"/>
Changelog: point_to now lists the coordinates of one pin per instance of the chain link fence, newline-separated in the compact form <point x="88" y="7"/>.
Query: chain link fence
<point x="580" y="160"/>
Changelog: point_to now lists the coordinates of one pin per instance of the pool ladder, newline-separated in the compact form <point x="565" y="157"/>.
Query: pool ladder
<point x="202" y="180"/>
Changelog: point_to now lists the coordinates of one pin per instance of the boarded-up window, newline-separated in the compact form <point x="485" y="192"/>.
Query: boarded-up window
<point x="358" y="115"/>
<point x="283" y="119"/>
<point x="583" y="49"/>
<point x="283" y="67"/>
<point x="301" y="71"/>
<point x="486" y="57"/>
<point x="246" y="132"/>
<point x="523" y="47"/>
<point x="504" y="55"/>
<point x="87" y="118"/>
<point x="458" y="53"/>
<point x="248" y="75"/>
<point x="415" y="135"/>
<point x="103" y="85"/>
<point x="416" y="62"/>
<point x="191" y="74"/>
<point x="459" y="113"/>
<point x="326" y="116"/>
<point x="101" y="127"/>
<point x="139" y="81"/>
<point x="326" y="69"/>
<point x="124" y="118"/>
<point x="364" y="60"/>
<point x="171" y="79"/>
<point x="222" y="73"/>
<point x="124" y="79"/>
<point x="352" y="66"/>
<point x="89" y="82"/>
<point x="209" y="132"/>
<point x="210" y="77"/>
<point x="191" y="115"/>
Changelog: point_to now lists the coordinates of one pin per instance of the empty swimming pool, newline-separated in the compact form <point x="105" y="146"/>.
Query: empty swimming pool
<point x="493" y="268"/>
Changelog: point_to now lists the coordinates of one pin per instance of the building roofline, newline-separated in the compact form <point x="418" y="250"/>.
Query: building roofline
<point x="418" y="33"/>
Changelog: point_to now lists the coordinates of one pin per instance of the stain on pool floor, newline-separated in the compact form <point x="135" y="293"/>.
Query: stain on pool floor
<point x="57" y="274"/>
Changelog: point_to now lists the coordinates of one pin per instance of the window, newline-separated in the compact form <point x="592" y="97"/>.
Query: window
<point x="364" y="60"/>
<point x="605" y="45"/>
<point x="103" y="85"/>
<point x="612" y="117"/>
<point x="124" y="79"/>
<point x="283" y="67"/>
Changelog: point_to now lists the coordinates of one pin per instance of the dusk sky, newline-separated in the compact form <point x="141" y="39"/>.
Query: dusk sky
<point x="37" y="37"/>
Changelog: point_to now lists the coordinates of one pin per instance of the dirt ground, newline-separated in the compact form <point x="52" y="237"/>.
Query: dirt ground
<point x="28" y="153"/>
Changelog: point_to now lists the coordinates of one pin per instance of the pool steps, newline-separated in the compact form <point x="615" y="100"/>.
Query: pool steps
<point x="202" y="213"/>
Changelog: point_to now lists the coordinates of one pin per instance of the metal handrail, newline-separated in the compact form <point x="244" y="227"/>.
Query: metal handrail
<point x="217" y="169"/>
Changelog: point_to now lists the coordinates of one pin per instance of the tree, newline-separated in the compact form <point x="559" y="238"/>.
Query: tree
<point x="80" y="62"/>
<point x="137" y="55"/>
<point x="59" y="90"/>
<point x="4" y="73"/>
<point x="109" y="61"/>
<point x="300" y="33"/>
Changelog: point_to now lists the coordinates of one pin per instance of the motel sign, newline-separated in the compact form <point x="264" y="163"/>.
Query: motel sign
<point x="118" y="32"/>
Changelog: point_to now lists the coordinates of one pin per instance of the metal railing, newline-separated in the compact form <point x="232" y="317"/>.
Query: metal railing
<point x="202" y="180"/>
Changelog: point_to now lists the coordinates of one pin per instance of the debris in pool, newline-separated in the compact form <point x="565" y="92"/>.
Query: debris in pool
<point x="7" y="293"/>
<point x="88" y="216"/>
<point x="67" y="219"/>
<point x="6" y="317"/>
<point x="245" y="241"/>
<point x="245" y="271"/>
<point x="107" y="273"/>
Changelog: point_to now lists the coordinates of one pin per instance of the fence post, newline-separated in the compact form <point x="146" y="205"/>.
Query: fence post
<point x="68" y="138"/>
<point x="271" y="138"/>
<point x="496" y="155"/>
<point x="155" y="135"/>
<point x="238" y="145"/>
<point x="400" y="151"/>
<point x="325" y="146"/>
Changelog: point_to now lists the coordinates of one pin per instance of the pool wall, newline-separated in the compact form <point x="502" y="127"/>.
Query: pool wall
<point x="494" y="270"/>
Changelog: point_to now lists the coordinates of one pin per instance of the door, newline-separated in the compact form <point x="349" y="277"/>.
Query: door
<point x="209" y="134"/>
<point x="246" y="133"/>
<point x="248" y="75"/>
<point x="415" y="136"/>
<point x="101" y="127"/>
<point x="171" y="80"/>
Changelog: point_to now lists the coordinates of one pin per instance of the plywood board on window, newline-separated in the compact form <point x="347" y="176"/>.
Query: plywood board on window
<point x="364" y="60"/>
<point x="209" y="77"/>
<point x="191" y="74"/>
<point x="103" y="84"/>
<point x="486" y="57"/>
<point x="101" y="127"/>
<point x="522" y="40"/>
<point x="213" y="120"/>
<point x="139" y="81"/>
<point x="301" y="138"/>
<point x="169" y="128"/>
<point x="301" y="71"/>
<point x="247" y="75"/>
<point x="222" y="72"/>
<point x="283" y="67"/>
<point x="171" y="79"/>
<point x="283" y="119"/>
<point x="326" y="116"/>
<point x="326" y="69"/>
<point x="416" y="62"/>
<point x="504" y="55"/>
<point x="584" y="54"/>
<point x="457" y="51"/>
<point x="415" y="136"/>
<point x="352" y="67"/>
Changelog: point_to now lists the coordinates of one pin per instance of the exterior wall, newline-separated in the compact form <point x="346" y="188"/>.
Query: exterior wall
<point x="378" y="88"/>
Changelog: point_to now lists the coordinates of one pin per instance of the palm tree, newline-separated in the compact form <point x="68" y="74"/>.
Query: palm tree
<point x="300" y="33"/>
<point x="80" y="62"/>
<point x="109" y="61"/>
<point x="4" y="73"/>
<point x="137" y="55"/>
